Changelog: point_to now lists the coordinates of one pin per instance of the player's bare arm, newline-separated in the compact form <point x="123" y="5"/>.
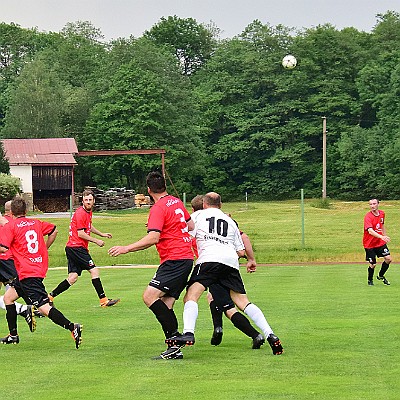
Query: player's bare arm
<point x="145" y="242"/>
<point x="190" y="225"/>
<point x="251" y="264"/>
<point x="99" y="233"/>
<point x="83" y="235"/>
<point x="379" y="236"/>
<point x="51" y="238"/>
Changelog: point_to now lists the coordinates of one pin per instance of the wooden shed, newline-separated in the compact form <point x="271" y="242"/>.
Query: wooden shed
<point x="46" y="170"/>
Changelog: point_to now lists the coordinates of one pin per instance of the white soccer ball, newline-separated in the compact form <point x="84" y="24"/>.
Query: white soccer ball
<point x="289" y="61"/>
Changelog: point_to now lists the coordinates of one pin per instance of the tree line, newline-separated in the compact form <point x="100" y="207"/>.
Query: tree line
<point x="230" y="117"/>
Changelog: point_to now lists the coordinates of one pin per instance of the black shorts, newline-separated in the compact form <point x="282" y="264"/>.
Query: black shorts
<point x="35" y="291"/>
<point x="221" y="296"/>
<point x="7" y="271"/>
<point x="79" y="260"/>
<point x="371" y="254"/>
<point x="209" y="273"/>
<point x="171" y="277"/>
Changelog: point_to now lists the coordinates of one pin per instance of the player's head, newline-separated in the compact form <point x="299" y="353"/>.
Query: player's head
<point x="197" y="202"/>
<point x="88" y="199"/>
<point x="7" y="207"/>
<point x="374" y="204"/>
<point x="212" y="200"/>
<point x="18" y="207"/>
<point x="156" y="182"/>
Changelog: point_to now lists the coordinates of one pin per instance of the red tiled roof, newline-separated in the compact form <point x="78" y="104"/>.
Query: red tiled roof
<point x="40" y="151"/>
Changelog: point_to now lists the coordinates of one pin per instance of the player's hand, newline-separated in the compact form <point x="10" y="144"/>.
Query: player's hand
<point x="107" y="235"/>
<point x="117" y="250"/>
<point x="251" y="266"/>
<point x="100" y="243"/>
<point x="386" y="239"/>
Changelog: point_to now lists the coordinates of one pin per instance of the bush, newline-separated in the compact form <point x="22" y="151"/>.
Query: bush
<point x="9" y="187"/>
<point x="322" y="203"/>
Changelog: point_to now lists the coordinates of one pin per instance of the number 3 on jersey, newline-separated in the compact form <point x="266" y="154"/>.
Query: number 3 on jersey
<point x="179" y="212"/>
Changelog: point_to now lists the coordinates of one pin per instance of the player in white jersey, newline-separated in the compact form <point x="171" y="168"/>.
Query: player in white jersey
<point x="219" y="246"/>
<point x="219" y="298"/>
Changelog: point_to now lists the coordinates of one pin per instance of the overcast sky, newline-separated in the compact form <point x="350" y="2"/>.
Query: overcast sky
<point x="122" y="18"/>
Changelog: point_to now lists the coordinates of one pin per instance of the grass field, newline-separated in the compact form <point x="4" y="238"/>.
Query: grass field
<point x="275" y="229"/>
<point x="341" y="340"/>
<point x="341" y="337"/>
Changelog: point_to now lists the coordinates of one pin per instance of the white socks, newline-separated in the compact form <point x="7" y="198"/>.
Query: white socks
<point x="258" y="318"/>
<point x="190" y="313"/>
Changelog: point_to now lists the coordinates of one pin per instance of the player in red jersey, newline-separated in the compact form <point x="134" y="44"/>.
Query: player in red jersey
<point x="77" y="251"/>
<point x="25" y="238"/>
<point x="167" y="228"/>
<point x="374" y="242"/>
<point x="9" y="276"/>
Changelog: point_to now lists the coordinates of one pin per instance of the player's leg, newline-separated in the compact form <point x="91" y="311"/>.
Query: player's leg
<point x="98" y="286"/>
<point x="259" y="319"/>
<point x="370" y="256"/>
<point x="243" y="324"/>
<point x="74" y="270"/>
<point x="216" y="315"/>
<point x="11" y="316"/>
<point x="387" y="259"/>
<point x="36" y="291"/>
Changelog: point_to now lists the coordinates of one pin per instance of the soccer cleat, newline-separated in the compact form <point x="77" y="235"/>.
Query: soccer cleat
<point x="77" y="334"/>
<point x="383" y="279"/>
<point x="181" y="340"/>
<point x="258" y="341"/>
<point x="275" y="344"/>
<point x="37" y="313"/>
<point x="30" y="318"/>
<point x="10" y="339"/>
<point x="216" y="338"/>
<point x="370" y="283"/>
<point x="105" y="302"/>
<point x="172" y="353"/>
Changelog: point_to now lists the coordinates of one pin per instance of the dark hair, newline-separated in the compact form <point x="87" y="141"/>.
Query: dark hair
<point x="18" y="206"/>
<point x="197" y="202"/>
<point x="156" y="182"/>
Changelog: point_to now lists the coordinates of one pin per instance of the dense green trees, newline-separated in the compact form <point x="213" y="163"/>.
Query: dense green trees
<point x="230" y="117"/>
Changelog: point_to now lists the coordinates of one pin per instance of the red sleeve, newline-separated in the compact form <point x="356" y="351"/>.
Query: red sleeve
<point x="156" y="219"/>
<point x="47" y="228"/>
<point x="368" y="221"/>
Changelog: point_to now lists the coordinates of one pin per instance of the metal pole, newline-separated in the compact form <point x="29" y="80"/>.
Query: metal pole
<point x="302" y="218"/>
<point x="324" y="157"/>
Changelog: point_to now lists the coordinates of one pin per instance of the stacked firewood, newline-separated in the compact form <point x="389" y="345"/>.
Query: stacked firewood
<point x="111" y="199"/>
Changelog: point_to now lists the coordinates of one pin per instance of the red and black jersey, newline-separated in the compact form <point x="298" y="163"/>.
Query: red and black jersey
<point x="25" y="238"/>
<point x="376" y="223"/>
<point x="7" y="255"/>
<point x="169" y="216"/>
<point x="81" y="220"/>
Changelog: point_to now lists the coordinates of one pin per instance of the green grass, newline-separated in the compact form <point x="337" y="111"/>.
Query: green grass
<point x="275" y="229"/>
<point x="341" y="340"/>
<point x="341" y="337"/>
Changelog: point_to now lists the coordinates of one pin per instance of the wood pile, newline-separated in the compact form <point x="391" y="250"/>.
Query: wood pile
<point x="52" y="204"/>
<point x="142" y="200"/>
<point x="111" y="199"/>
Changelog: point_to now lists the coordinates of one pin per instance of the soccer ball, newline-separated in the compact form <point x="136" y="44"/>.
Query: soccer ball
<point x="289" y="61"/>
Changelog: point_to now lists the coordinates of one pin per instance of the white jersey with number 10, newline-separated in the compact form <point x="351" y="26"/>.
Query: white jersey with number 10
<point x="217" y="237"/>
